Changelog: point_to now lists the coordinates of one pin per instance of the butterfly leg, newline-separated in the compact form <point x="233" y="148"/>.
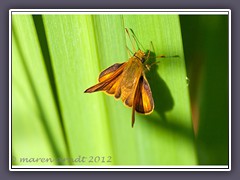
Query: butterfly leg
<point x="148" y="66"/>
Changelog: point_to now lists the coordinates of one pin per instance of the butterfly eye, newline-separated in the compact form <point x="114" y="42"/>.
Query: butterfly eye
<point x="143" y="59"/>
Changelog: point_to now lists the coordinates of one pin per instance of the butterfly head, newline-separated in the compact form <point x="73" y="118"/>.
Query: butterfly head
<point x="140" y="55"/>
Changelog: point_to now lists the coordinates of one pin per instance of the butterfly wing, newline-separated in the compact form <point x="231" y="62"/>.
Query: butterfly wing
<point x="129" y="81"/>
<point x="108" y="79"/>
<point x="143" y="101"/>
<point x="107" y="73"/>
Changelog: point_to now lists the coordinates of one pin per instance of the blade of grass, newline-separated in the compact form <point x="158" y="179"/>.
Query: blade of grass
<point x="209" y="91"/>
<point x="34" y="121"/>
<point x="73" y="51"/>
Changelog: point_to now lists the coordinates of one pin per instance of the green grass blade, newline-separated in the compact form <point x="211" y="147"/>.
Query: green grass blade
<point x="73" y="53"/>
<point x="208" y="68"/>
<point x="34" y="121"/>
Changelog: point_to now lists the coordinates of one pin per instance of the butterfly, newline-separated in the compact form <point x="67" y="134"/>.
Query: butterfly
<point x="128" y="81"/>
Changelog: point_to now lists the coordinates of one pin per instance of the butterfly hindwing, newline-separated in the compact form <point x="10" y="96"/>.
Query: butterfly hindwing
<point x="143" y="99"/>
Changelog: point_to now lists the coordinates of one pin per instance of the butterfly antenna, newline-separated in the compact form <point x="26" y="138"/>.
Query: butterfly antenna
<point x="130" y="40"/>
<point x="129" y="51"/>
<point x="136" y="39"/>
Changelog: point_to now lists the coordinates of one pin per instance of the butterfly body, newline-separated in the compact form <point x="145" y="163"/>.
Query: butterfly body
<point x="128" y="82"/>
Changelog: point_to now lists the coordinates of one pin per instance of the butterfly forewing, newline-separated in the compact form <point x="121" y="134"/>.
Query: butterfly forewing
<point x="130" y="80"/>
<point x="107" y="73"/>
<point x="105" y="83"/>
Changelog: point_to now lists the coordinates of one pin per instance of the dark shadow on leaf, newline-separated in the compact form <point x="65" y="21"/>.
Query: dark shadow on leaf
<point x="164" y="102"/>
<point x="163" y="99"/>
<point x="172" y="126"/>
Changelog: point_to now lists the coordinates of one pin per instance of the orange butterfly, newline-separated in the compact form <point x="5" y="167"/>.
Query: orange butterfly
<point x="128" y="82"/>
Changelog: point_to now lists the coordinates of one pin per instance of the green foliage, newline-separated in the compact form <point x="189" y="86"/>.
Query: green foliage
<point x="56" y="57"/>
<point x="206" y="49"/>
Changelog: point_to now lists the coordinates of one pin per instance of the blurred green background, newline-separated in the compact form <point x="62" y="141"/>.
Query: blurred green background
<point x="56" y="57"/>
<point x="205" y="40"/>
